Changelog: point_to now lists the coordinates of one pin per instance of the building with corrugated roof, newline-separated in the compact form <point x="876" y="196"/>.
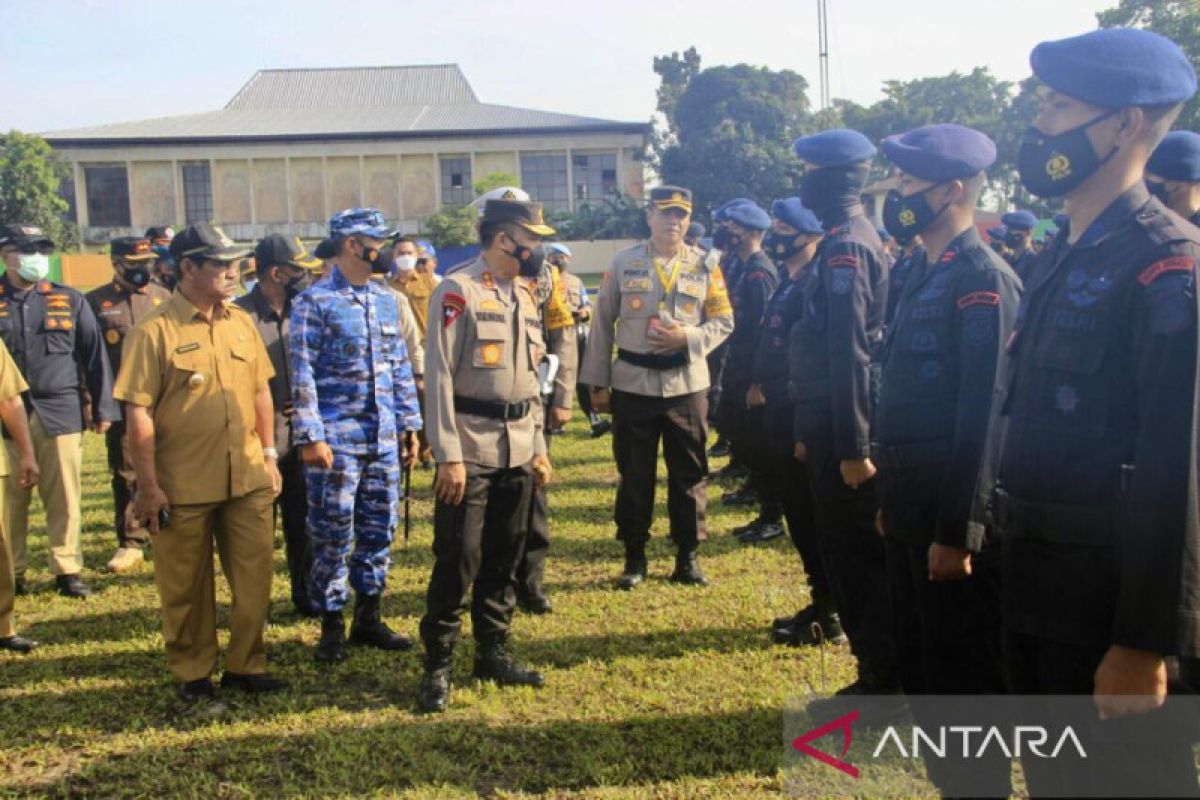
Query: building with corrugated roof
<point x="294" y="146"/>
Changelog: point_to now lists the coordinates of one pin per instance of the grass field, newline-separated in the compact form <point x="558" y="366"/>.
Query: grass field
<point x="663" y="692"/>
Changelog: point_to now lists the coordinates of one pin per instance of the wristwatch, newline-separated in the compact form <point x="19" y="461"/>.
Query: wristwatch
<point x="271" y="453"/>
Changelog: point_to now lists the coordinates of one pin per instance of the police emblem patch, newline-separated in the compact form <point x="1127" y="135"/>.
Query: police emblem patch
<point x="841" y="281"/>
<point x="979" y="326"/>
<point x="490" y="353"/>
<point x="112" y="336"/>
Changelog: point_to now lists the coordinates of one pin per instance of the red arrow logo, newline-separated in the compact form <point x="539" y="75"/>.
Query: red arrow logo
<point x="843" y="723"/>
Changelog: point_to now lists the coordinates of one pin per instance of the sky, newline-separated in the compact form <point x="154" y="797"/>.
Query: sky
<point x="74" y="63"/>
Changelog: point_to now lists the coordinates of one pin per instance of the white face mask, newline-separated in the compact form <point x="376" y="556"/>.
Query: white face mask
<point x="406" y="263"/>
<point x="33" y="267"/>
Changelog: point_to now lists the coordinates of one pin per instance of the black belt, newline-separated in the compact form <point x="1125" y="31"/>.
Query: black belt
<point x="1055" y="522"/>
<point x="654" y="360"/>
<point x="912" y="454"/>
<point x="492" y="409"/>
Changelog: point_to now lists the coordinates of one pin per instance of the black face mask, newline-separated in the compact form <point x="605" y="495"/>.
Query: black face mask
<point x="830" y="190"/>
<point x="370" y="255"/>
<point x="720" y="238"/>
<point x="735" y="240"/>
<point x="296" y="285"/>
<point x="1014" y="240"/>
<point x="1159" y="190"/>
<point x="137" y="277"/>
<point x="530" y="260"/>
<point x="782" y="246"/>
<point x="1052" y="166"/>
<point x="906" y="217"/>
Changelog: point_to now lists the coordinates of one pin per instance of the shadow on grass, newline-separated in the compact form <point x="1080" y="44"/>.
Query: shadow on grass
<point x="399" y="755"/>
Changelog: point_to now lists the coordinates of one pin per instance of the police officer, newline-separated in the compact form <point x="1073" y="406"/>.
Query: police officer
<point x="832" y="350"/>
<point x="1173" y="174"/>
<point x="996" y="236"/>
<point x="1018" y="240"/>
<point x="665" y="310"/>
<point x="908" y="256"/>
<point x="119" y="306"/>
<point x="355" y="408"/>
<point x="791" y="244"/>
<point x="1099" y="587"/>
<point x="931" y="429"/>
<point x="285" y="269"/>
<point x="723" y="255"/>
<point x="165" y="270"/>
<point x="55" y="340"/>
<point x="580" y="306"/>
<point x="486" y="429"/>
<point x="747" y="225"/>
<point x="695" y="235"/>
<point x="16" y="424"/>
<point x="194" y="381"/>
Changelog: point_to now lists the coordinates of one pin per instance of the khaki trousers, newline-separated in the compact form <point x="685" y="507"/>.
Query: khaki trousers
<point x="7" y="585"/>
<point x="60" y="460"/>
<point x="242" y="529"/>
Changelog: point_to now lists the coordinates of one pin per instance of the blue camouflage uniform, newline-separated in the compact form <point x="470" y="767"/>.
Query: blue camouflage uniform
<point x="353" y="389"/>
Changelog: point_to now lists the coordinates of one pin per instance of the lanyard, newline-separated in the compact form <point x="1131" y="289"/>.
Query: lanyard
<point x="668" y="283"/>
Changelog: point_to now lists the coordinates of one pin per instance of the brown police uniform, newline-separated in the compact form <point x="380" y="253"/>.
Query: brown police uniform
<point x="419" y="290"/>
<point x="658" y="394"/>
<point x="11" y="385"/>
<point x="118" y="308"/>
<point x="482" y="410"/>
<point x="199" y="380"/>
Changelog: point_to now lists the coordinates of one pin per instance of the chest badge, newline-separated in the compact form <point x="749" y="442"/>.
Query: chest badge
<point x="636" y="303"/>
<point x="112" y="336"/>
<point x="490" y="354"/>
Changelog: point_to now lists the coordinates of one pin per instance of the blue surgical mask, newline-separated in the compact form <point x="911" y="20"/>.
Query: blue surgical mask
<point x="33" y="267"/>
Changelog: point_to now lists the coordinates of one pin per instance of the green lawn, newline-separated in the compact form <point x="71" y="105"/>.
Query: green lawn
<point x="663" y="692"/>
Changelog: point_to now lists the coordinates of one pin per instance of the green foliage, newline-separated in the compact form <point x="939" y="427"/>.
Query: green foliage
<point x="453" y="226"/>
<point x="494" y="180"/>
<point x="30" y="177"/>
<point x="619" y="218"/>
<point x="1178" y="20"/>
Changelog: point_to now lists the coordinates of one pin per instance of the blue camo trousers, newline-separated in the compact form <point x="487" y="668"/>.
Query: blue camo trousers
<point x="351" y="521"/>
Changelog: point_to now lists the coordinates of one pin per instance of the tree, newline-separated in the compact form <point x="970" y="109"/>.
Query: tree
<point x="676" y="72"/>
<point x="494" y="180"/>
<point x="453" y="226"/>
<point x="621" y="217"/>
<point x="731" y="134"/>
<point x="30" y="177"/>
<point x="1178" y="20"/>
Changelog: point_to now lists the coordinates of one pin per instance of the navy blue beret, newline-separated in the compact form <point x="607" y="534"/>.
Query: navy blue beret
<point x="1061" y="220"/>
<point x="1177" y="158"/>
<point x="1116" y="68"/>
<point x="998" y="232"/>
<point x="749" y="215"/>
<point x="940" y="153"/>
<point x="834" y="148"/>
<point x="793" y="212"/>
<point x="697" y="230"/>
<point x="1020" y="220"/>
<point x="722" y="213"/>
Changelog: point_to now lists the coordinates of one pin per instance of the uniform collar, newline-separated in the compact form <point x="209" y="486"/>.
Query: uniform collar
<point x="841" y="216"/>
<point x="263" y="309"/>
<point x="1116" y="213"/>
<point x="186" y="312"/>
<point x="964" y="241"/>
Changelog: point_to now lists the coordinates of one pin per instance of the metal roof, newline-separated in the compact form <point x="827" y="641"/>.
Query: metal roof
<point x="350" y="87"/>
<point x="350" y="103"/>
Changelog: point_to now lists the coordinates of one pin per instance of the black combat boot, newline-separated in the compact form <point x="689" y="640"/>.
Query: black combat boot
<point x="434" y="693"/>
<point x="687" y="569"/>
<point x="331" y="649"/>
<point x="813" y="624"/>
<point x="635" y="567"/>
<point x="368" y="629"/>
<point x="494" y="662"/>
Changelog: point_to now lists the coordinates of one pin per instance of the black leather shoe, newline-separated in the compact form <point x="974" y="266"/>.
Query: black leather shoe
<point x="600" y="428"/>
<point x="635" y="570"/>
<point x="801" y="617"/>
<point x="199" y="689"/>
<point x="20" y="585"/>
<point x="255" y="684"/>
<point x="72" y="586"/>
<point x="536" y="604"/>
<point x="369" y="629"/>
<point x="762" y="532"/>
<point x="331" y="649"/>
<point x="687" y="571"/>
<point x="813" y="630"/>
<point x="494" y="662"/>
<point x="433" y="695"/>
<point x="744" y="496"/>
<point x="719" y="450"/>
<point x="18" y="644"/>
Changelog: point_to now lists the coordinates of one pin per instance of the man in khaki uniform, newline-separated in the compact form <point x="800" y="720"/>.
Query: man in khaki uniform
<point x="119" y="306"/>
<point x="414" y="281"/>
<point x="485" y="425"/>
<point x="16" y="423"/>
<point x="665" y="309"/>
<point x="195" y="384"/>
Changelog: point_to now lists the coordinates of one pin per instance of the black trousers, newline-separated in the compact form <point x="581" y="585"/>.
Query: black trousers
<point x="716" y="374"/>
<point x="476" y="546"/>
<point x="583" y="392"/>
<point x="948" y="642"/>
<point x="1127" y="757"/>
<point x="123" y="480"/>
<point x="854" y="561"/>
<point x="531" y="567"/>
<point x="292" y="504"/>
<point x="639" y="422"/>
